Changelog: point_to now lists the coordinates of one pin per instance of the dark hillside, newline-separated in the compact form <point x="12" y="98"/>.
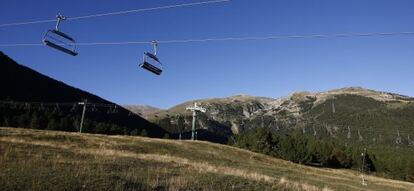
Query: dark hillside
<point x="20" y="84"/>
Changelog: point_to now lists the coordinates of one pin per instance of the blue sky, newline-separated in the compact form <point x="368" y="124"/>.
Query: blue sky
<point x="271" y="68"/>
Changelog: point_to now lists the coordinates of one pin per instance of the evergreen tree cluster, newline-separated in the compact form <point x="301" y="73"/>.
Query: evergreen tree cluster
<point x="325" y="152"/>
<point x="63" y="119"/>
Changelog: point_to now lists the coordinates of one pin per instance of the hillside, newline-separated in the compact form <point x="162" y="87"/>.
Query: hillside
<point x="328" y="129"/>
<point x="334" y="113"/>
<point x="224" y="117"/>
<point x="142" y="110"/>
<point x="30" y="99"/>
<point x="53" y="160"/>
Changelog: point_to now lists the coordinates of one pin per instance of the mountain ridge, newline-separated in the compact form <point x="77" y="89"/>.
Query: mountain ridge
<point x="320" y="96"/>
<point x="242" y="112"/>
<point x="355" y="90"/>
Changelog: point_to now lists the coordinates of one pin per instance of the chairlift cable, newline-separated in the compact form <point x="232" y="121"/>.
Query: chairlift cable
<point x="116" y="13"/>
<point x="147" y="9"/>
<point x="256" y="38"/>
<point x="276" y="37"/>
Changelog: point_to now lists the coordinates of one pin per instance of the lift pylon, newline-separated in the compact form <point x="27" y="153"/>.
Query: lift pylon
<point x="195" y="109"/>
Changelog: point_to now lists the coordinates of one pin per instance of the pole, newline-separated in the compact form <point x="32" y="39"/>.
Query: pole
<point x="193" y="126"/>
<point x="195" y="109"/>
<point x="83" y="114"/>
<point x="362" y="168"/>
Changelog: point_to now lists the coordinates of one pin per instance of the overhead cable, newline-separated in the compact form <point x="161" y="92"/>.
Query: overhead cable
<point x="116" y="13"/>
<point x="257" y="38"/>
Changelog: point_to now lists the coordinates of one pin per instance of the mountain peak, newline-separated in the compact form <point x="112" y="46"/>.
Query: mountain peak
<point x="352" y="89"/>
<point x="377" y="95"/>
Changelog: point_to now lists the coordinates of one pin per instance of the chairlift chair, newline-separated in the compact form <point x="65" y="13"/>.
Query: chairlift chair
<point x="151" y="61"/>
<point x="59" y="40"/>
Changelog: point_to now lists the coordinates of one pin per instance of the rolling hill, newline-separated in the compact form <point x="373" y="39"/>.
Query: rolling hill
<point x="30" y="99"/>
<point x="53" y="160"/>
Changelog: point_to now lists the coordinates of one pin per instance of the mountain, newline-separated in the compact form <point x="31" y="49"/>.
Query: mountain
<point x="31" y="99"/>
<point x="221" y="121"/>
<point x="328" y="129"/>
<point x="54" y="160"/>
<point x="142" y="110"/>
<point x="332" y="112"/>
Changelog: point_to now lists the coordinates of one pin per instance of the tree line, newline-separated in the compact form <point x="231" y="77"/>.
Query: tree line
<point x="325" y="152"/>
<point x="62" y="119"/>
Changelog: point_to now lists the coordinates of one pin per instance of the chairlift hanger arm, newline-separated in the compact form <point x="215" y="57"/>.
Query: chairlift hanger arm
<point x="59" y="17"/>
<point x="155" y="45"/>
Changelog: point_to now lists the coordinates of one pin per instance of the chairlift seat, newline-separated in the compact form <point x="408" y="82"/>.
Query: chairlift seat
<point x="151" y="68"/>
<point x="60" y="41"/>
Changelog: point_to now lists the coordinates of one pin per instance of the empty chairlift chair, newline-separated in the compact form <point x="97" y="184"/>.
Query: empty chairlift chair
<point x="151" y="62"/>
<point x="59" y="40"/>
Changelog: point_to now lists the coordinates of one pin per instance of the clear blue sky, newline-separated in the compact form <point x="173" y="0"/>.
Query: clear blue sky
<point x="270" y="68"/>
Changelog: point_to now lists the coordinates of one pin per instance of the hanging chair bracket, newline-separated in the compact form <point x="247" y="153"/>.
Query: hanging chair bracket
<point x="154" y="45"/>
<point x="59" y="17"/>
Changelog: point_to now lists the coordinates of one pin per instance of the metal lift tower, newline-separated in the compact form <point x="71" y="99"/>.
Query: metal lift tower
<point x="195" y="109"/>
<point x="84" y="103"/>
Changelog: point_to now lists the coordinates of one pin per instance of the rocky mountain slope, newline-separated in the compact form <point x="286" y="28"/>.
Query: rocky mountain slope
<point x="352" y="113"/>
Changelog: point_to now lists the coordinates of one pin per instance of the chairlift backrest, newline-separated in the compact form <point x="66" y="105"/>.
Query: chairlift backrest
<point x="63" y="35"/>
<point x="152" y="56"/>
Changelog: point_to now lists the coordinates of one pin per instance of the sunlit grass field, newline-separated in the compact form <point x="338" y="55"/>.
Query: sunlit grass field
<point x="53" y="160"/>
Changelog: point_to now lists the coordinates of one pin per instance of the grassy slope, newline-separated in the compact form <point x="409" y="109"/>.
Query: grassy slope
<point x="52" y="160"/>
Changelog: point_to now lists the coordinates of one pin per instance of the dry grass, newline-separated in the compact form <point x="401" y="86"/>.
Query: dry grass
<point x="78" y="161"/>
